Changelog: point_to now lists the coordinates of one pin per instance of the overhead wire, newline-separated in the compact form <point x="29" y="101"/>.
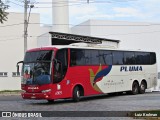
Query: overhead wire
<point x="72" y="3"/>
<point x="100" y="25"/>
<point x="16" y="3"/>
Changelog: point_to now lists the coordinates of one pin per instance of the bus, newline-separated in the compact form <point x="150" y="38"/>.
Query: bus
<point x="68" y="71"/>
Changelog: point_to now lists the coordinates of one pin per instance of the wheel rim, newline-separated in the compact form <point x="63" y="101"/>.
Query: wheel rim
<point x="78" y="94"/>
<point x="142" y="87"/>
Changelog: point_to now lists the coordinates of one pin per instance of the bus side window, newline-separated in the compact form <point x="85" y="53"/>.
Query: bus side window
<point x="118" y="57"/>
<point x="142" y="58"/>
<point x="62" y="56"/>
<point x="152" y="58"/>
<point x="129" y="58"/>
<point x="77" y="57"/>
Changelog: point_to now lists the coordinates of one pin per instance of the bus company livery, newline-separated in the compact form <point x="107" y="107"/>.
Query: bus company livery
<point x="59" y="72"/>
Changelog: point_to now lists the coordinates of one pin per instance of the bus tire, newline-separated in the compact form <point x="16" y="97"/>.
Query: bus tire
<point x="142" y="87"/>
<point x="50" y="101"/>
<point x="76" y="94"/>
<point x="135" y="88"/>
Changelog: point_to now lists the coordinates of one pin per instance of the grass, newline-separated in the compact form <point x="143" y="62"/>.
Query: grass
<point x="10" y="91"/>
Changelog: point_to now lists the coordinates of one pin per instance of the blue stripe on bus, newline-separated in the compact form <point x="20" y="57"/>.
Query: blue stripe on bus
<point x="102" y="73"/>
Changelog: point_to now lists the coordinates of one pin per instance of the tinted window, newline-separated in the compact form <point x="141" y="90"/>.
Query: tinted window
<point x="105" y="57"/>
<point x="87" y="57"/>
<point x="38" y="56"/>
<point x="129" y="58"/>
<point x="142" y="58"/>
<point x="84" y="57"/>
<point x="78" y="57"/>
<point x="45" y="55"/>
<point x="94" y="59"/>
<point x="117" y="58"/>
<point x="62" y="57"/>
<point x="153" y="58"/>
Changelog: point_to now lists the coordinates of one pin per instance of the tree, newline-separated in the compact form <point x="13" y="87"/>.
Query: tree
<point x="3" y="14"/>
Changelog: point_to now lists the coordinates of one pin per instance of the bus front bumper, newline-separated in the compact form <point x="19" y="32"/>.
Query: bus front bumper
<point x="36" y="95"/>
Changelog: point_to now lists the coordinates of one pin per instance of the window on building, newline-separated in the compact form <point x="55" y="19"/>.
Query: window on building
<point x="15" y="74"/>
<point x="3" y="74"/>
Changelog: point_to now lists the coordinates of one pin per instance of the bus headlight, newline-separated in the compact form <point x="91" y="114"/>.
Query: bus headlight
<point x="44" y="91"/>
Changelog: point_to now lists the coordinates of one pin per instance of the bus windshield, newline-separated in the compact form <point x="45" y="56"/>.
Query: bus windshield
<point x="37" y="68"/>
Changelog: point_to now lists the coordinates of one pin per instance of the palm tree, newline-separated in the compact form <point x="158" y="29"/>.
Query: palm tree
<point x="3" y="14"/>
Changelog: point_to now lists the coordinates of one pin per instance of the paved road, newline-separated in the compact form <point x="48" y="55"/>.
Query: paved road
<point x="147" y="101"/>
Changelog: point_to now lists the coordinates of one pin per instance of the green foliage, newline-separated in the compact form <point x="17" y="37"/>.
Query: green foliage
<point x="3" y="14"/>
<point x="11" y="91"/>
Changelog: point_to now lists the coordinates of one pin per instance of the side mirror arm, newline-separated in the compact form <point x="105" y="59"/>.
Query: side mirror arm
<point x="18" y="66"/>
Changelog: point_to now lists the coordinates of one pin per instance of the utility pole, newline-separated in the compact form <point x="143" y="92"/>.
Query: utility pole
<point x="25" y="25"/>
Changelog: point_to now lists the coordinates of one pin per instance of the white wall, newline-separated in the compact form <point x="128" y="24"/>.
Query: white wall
<point x="12" y="46"/>
<point x="82" y="29"/>
<point x="44" y="40"/>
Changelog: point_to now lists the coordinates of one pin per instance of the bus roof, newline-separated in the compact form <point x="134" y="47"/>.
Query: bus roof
<point x="82" y="46"/>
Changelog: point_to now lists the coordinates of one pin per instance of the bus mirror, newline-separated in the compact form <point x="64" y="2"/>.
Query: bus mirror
<point x="18" y="66"/>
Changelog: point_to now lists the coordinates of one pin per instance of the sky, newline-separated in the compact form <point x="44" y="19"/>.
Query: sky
<point x="80" y="10"/>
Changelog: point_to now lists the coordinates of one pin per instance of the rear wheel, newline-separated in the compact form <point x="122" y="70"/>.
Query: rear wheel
<point x="76" y="94"/>
<point x="135" y="88"/>
<point x="142" y="87"/>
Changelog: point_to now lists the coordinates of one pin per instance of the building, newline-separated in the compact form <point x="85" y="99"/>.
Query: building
<point x="12" y="47"/>
<point x="56" y="38"/>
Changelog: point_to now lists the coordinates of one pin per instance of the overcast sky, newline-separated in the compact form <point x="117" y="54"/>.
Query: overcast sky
<point x="80" y="10"/>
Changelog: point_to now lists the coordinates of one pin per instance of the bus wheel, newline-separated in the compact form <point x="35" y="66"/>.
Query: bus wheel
<point x="142" y="87"/>
<point x="50" y="101"/>
<point x="76" y="94"/>
<point x="135" y="88"/>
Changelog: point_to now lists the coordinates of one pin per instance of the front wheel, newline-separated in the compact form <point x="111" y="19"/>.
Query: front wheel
<point x="76" y="94"/>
